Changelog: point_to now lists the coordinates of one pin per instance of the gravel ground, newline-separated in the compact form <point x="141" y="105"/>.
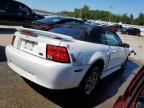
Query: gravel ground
<point x="16" y="92"/>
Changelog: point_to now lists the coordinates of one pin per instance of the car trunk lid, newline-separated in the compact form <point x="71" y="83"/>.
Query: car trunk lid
<point x="35" y="41"/>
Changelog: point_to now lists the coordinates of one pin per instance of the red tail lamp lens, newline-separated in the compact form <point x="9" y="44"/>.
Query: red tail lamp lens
<point x="58" y="54"/>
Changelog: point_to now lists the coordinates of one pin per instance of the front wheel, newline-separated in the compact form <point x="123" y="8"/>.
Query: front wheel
<point x="90" y="81"/>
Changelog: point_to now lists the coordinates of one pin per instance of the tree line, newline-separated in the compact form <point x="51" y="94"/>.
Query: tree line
<point x="86" y="13"/>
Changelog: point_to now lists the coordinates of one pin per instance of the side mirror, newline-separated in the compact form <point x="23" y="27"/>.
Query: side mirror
<point x="125" y="45"/>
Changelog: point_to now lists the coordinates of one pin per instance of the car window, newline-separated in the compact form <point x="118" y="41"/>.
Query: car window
<point x="137" y="95"/>
<point x="102" y="38"/>
<point x="15" y="8"/>
<point x="112" y="39"/>
<point x="23" y="10"/>
<point x="2" y="7"/>
<point x="76" y="33"/>
<point x="142" y="94"/>
<point x="93" y="36"/>
<point x="51" y="20"/>
<point x="11" y="7"/>
<point x="140" y="100"/>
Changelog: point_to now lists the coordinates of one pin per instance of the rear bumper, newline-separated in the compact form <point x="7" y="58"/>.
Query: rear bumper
<point x="46" y="73"/>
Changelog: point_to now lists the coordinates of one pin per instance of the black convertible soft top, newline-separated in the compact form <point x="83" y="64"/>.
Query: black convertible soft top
<point x="85" y="32"/>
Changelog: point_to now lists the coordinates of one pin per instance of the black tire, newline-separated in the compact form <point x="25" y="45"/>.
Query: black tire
<point x="90" y="81"/>
<point x="123" y="67"/>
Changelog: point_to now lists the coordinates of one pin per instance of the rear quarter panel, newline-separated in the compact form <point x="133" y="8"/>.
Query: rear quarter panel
<point x="86" y="53"/>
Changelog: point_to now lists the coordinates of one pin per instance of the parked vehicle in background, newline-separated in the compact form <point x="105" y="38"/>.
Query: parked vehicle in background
<point x="67" y="56"/>
<point x="134" y="95"/>
<point x="131" y="31"/>
<point x="16" y="13"/>
<point x="142" y="30"/>
<point x="51" y="21"/>
<point x="115" y="27"/>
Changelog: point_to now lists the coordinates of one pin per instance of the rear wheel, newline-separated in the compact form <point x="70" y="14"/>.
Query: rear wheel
<point x="90" y="81"/>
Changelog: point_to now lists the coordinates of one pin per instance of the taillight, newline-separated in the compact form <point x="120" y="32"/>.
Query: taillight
<point x="57" y="54"/>
<point x="13" y="40"/>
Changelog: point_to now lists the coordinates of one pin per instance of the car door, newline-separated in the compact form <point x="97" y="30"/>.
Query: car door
<point x="132" y="31"/>
<point x="117" y="52"/>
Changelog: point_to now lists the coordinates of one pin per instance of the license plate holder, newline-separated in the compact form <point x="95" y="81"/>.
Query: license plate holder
<point x="29" y="45"/>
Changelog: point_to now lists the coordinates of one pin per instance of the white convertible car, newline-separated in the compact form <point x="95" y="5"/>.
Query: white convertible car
<point x="67" y="56"/>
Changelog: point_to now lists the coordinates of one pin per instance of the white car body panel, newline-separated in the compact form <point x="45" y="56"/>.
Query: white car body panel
<point x="44" y="72"/>
<point x="33" y="65"/>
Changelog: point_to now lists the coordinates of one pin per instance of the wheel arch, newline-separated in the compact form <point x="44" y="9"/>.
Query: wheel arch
<point x="101" y="58"/>
<point x="100" y="63"/>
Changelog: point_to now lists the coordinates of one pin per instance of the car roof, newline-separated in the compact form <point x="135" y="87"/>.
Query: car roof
<point x="86" y="31"/>
<point x="14" y="1"/>
<point x="58" y="19"/>
<point x="132" y="28"/>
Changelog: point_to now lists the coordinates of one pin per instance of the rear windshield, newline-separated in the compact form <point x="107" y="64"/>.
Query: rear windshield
<point x="76" y="33"/>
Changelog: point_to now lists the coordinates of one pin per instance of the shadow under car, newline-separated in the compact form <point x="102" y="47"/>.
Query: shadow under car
<point x="107" y="88"/>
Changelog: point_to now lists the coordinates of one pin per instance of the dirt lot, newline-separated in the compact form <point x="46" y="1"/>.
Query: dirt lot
<point x="16" y="92"/>
<point x="137" y="43"/>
